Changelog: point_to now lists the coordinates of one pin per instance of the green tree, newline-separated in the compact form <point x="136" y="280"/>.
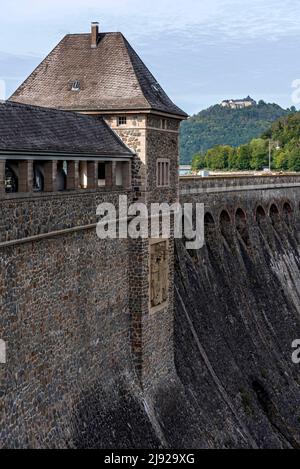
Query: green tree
<point x="244" y="157"/>
<point x="281" y="160"/>
<point x="217" y="157"/>
<point x="198" y="162"/>
<point x="294" y="160"/>
<point x="259" y="153"/>
<point x="232" y="158"/>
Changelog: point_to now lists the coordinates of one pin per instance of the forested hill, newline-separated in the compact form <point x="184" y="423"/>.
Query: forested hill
<point x="282" y="138"/>
<point x="222" y="126"/>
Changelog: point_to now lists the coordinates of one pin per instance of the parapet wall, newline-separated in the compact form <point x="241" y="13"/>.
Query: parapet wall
<point x="25" y="215"/>
<point x="243" y="192"/>
<point x="199" y="185"/>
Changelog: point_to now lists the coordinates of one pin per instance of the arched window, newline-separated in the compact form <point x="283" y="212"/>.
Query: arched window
<point x="61" y="177"/>
<point x="11" y="178"/>
<point x="38" y="177"/>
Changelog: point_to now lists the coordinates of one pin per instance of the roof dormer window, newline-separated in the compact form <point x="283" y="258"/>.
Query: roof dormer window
<point x="76" y="85"/>
<point x="156" y="87"/>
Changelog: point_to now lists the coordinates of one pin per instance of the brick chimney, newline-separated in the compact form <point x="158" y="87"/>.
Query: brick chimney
<point x="94" y="34"/>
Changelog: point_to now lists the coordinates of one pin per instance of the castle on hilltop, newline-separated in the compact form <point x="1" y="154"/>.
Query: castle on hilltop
<point x="239" y="103"/>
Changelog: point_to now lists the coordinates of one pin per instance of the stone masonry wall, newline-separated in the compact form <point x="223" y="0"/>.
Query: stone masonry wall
<point x="157" y="327"/>
<point x="67" y="316"/>
<point x="162" y="143"/>
<point x="197" y="185"/>
<point x="151" y="137"/>
<point x="237" y="311"/>
<point x="133" y="135"/>
<point x="246" y="193"/>
<point x="24" y="215"/>
<point x="64" y="315"/>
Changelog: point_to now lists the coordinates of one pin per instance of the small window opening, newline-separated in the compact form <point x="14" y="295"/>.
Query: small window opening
<point x="164" y="124"/>
<point x="101" y="174"/>
<point x="122" y="120"/>
<point x="76" y="85"/>
<point x="11" y="180"/>
<point x="163" y="173"/>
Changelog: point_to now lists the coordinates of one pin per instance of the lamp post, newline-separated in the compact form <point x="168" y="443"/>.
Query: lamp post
<point x="272" y="143"/>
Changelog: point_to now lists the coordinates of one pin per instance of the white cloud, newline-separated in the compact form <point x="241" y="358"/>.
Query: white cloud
<point x="232" y="18"/>
<point x="206" y="47"/>
<point x="193" y="23"/>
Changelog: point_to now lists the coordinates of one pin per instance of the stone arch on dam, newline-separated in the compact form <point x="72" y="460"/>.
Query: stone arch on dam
<point x="241" y="225"/>
<point x="288" y="213"/>
<point x="225" y="225"/>
<point x="274" y="213"/>
<point x="260" y="214"/>
<point x="240" y="218"/>
<point x="209" y="224"/>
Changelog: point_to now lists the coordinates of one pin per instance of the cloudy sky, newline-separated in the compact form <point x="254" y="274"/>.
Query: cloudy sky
<point x="200" y="51"/>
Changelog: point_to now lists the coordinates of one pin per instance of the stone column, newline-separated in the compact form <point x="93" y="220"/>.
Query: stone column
<point x="72" y="175"/>
<point x="2" y="176"/>
<point x="92" y="174"/>
<point x="25" y="176"/>
<point x="126" y="175"/>
<point x="50" y="173"/>
<point x="110" y="174"/>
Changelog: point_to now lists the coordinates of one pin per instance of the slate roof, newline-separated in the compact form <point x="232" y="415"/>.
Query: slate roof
<point x="37" y="129"/>
<point x="111" y="76"/>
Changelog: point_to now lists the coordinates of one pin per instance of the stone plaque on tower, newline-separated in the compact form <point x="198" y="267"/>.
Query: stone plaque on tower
<point x="159" y="270"/>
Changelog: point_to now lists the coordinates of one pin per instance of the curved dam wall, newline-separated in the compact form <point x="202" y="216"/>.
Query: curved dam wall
<point x="69" y="381"/>
<point x="238" y="308"/>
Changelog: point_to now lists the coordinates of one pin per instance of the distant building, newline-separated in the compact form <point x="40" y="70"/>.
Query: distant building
<point x="239" y="103"/>
<point x="185" y="170"/>
<point x="204" y="173"/>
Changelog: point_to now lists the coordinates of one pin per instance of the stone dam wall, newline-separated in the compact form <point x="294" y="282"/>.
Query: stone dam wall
<point x="238" y="310"/>
<point x="69" y="380"/>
